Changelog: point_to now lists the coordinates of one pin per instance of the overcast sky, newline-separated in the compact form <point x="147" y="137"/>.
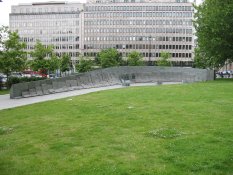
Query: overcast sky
<point x="5" y="7"/>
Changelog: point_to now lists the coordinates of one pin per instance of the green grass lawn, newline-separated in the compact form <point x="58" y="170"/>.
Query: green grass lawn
<point x="166" y="130"/>
<point x="4" y="91"/>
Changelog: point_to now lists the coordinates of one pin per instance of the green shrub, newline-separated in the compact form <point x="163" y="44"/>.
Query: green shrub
<point x="109" y="58"/>
<point x="164" y="61"/>
<point x="135" y="59"/>
<point x="15" y="80"/>
<point x="84" y="65"/>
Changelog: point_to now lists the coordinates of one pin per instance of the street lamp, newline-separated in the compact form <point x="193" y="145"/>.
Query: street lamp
<point x="149" y="61"/>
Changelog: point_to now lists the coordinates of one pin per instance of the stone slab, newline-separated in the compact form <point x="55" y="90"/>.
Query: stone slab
<point x="111" y="76"/>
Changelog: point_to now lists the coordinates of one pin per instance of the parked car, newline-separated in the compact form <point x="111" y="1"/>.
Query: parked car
<point x="16" y="74"/>
<point x="226" y="72"/>
<point x="30" y="73"/>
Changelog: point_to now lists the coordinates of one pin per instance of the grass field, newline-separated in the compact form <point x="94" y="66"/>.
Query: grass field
<point x="165" y="130"/>
<point x="4" y="91"/>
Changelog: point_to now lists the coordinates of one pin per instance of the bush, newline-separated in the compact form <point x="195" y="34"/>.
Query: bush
<point x="84" y="65"/>
<point x="164" y="61"/>
<point x="15" y="80"/>
<point x="135" y="59"/>
<point x="110" y="58"/>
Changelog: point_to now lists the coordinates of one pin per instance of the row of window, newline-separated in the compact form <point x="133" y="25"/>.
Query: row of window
<point x="131" y="38"/>
<point x="119" y="46"/>
<point x="103" y="15"/>
<point x="177" y="39"/>
<point x="138" y="22"/>
<point x="139" y="30"/>
<point x="131" y="1"/>
<point x="45" y="31"/>
<point x="138" y="14"/>
<point x="94" y="7"/>
<point x="49" y="40"/>
<point x="53" y="39"/>
<point x="115" y="1"/>
<point x="65" y="38"/>
<point x="119" y="1"/>
<point x="138" y="38"/>
<point x="58" y="46"/>
<point x="146" y="54"/>
<point x="137" y="46"/>
<point x="45" y="16"/>
<point x="108" y="38"/>
<point x="125" y="54"/>
<point x="138" y="8"/>
<point x="45" y="23"/>
<point x="67" y="46"/>
<point x="72" y="54"/>
<point x="45" y="10"/>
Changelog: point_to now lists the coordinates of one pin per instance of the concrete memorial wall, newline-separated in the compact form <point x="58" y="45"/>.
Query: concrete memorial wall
<point x="109" y="77"/>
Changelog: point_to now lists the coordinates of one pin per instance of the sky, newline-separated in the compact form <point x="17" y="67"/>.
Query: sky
<point x="5" y="7"/>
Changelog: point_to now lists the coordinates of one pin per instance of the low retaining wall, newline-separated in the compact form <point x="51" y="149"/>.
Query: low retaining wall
<point x="108" y="77"/>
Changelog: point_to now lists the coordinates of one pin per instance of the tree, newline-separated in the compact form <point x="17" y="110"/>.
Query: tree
<point x="213" y="24"/>
<point x="84" y="65"/>
<point x="4" y="31"/>
<point x="12" y="57"/>
<point x="65" y="63"/>
<point x="97" y="59"/>
<point x="40" y="56"/>
<point x="164" y="61"/>
<point x="200" y="60"/>
<point x="135" y="59"/>
<point x="53" y="63"/>
<point x="109" y="58"/>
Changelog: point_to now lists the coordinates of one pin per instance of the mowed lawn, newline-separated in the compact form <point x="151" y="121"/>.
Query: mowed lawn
<point x="4" y="91"/>
<point x="166" y="130"/>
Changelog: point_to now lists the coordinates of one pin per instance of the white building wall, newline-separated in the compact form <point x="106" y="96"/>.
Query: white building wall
<point x="51" y="23"/>
<point x="147" y="27"/>
<point x="75" y="28"/>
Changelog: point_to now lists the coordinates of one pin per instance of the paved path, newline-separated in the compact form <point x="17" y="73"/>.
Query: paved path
<point x="6" y="102"/>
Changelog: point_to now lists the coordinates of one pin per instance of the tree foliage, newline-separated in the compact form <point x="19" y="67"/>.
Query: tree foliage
<point x="135" y="59"/>
<point x="213" y="23"/>
<point x="200" y="60"/>
<point x="12" y="57"/>
<point x="109" y="58"/>
<point x="97" y="59"/>
<point x="41" y="55"/>
<point x="164" y="61"/>
<point x="41" y="51"/>
<point x="4" y="31"/>
<point x="53" y="63"/>
<point x="65" y="63"/>
<point x="44" y="58"/>
<point x="84" y="65"/>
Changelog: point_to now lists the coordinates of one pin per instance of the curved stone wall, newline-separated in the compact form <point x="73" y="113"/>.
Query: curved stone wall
<point x="110" y="76"/>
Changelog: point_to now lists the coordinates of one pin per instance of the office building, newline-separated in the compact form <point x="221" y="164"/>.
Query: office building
<point x="148" y="26"/>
